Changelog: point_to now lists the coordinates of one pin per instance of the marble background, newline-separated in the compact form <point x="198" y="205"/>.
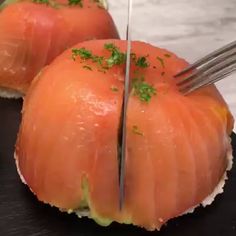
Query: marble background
<point x="191" y="28"/>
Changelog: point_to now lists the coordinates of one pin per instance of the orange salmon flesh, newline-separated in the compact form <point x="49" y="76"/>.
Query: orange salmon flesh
<point x="67" y="144"/>
<point x="33" y="34"/>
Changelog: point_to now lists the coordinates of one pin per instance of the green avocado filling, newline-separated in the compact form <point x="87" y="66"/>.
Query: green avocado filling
<point x="6" y="3"/>
<point x="101" y="221"/>
<point x="86" y="209"/>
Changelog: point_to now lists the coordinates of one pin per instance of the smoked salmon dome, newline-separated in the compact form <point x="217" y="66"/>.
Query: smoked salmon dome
<point x="178" y="146"/>
<point x="34" y="32"/>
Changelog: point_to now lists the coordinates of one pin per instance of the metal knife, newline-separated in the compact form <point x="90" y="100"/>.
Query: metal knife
<point x="122" y="156"/>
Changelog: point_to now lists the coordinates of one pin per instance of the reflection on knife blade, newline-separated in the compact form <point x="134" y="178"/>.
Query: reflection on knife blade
<point x="122" y="153"/>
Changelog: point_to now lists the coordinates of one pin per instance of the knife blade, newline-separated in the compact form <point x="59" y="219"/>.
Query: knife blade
<point x="124" y="109"/>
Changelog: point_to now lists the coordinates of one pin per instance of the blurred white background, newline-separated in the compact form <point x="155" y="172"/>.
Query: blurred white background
<point x="190" y="28"/>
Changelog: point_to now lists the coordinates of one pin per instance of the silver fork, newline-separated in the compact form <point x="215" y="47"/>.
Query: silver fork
<point x="208" y="70"/>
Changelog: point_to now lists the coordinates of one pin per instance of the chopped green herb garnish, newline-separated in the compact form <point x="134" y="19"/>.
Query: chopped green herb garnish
<point x="41" y="1"/>
<point x="98" y="60"/>
<point x="87" y="67"/>
<point x="82" y="52"/>
<point x="75" y="2"/>
<point x="103" y="71"/>
<point x="143" y="90"/>
<point x="109" y="46"/>
<point x="114" y="89"/>
<point x="85" y="54"/>
<point x="161" y="61"/>
<point x="117" y="57"/>
<point x="167" y="55"/>
<point x="136" y="130"/>
<point x="133" y="56"/>
<point x="142" y="62"/>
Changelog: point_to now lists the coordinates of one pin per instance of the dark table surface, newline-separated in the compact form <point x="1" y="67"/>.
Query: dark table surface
<point x="22" y="214"/>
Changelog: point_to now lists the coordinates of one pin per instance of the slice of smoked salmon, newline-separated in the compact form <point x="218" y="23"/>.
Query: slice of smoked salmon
<point x="177" y="145"/>
<point x="33" y="34"/>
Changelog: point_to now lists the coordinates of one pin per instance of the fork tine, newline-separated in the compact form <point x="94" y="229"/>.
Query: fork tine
<point x="209" y="72"/>
<point x="207" y="67"/>
<point x="221" y="75"/>
<point x="214" y="80"/>
<point x="207" y="78"/>
<point x="207" y="58"/>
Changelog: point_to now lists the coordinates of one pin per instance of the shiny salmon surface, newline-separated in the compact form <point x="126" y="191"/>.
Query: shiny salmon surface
<point x="176" y="145"/>
<point x="33" y="34"/>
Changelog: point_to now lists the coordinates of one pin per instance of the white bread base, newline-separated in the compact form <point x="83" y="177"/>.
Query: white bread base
<point x="10" y="93"/>
<point x="18" y="170"/>
<point x="219" y="189"/>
